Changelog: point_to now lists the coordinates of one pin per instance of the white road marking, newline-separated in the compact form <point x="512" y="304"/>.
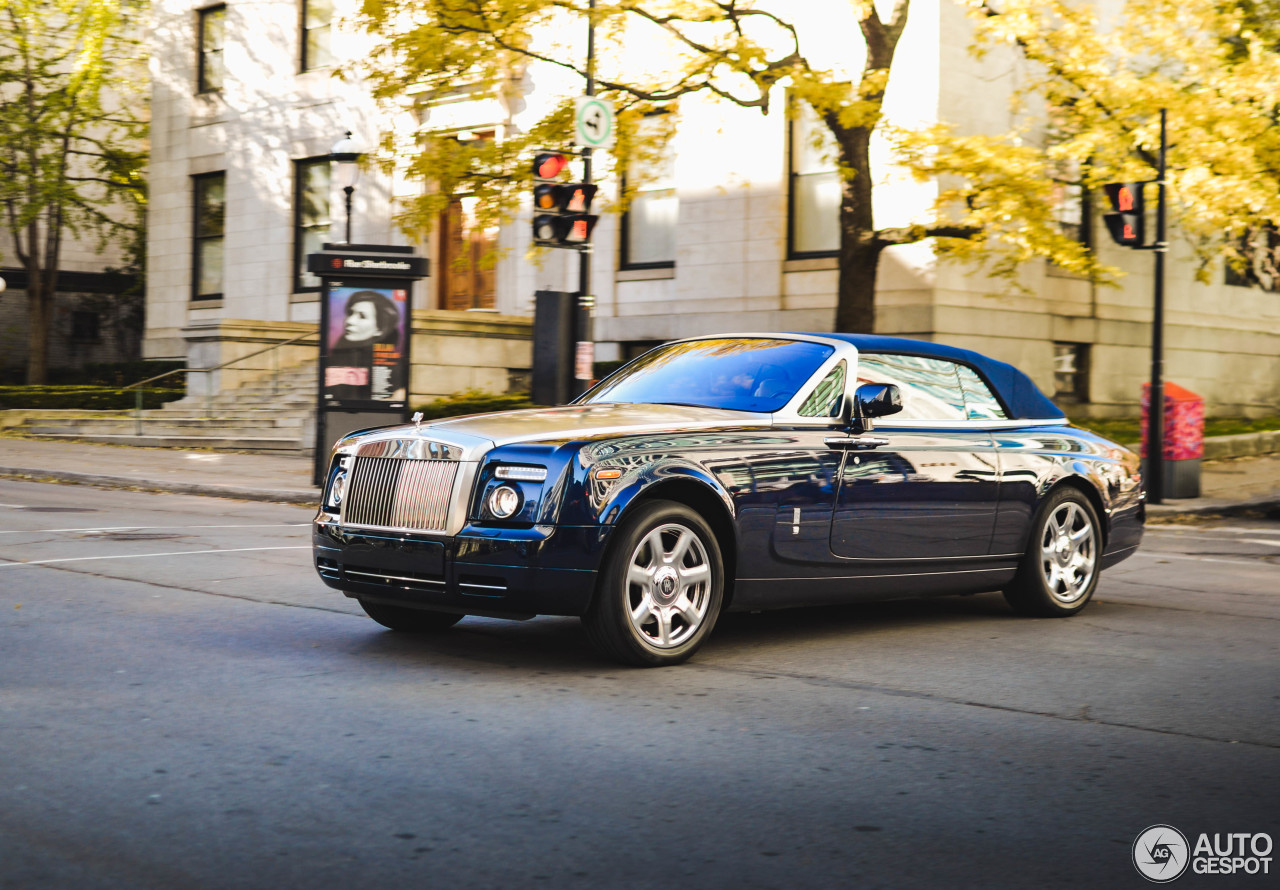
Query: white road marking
<point x="136" y="528"/>
<point x="41" y="562"/>
<point x="1226" y="529"/>
<point x="1238" y="562"/>
<point x="1269" y="543"/>
<point x="14" y="506"/>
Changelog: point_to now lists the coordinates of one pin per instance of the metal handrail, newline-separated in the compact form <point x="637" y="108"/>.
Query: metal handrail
<point x="208" y="396"/>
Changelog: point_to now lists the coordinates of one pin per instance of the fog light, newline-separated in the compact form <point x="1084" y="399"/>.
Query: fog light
<point x="504" y="502"/>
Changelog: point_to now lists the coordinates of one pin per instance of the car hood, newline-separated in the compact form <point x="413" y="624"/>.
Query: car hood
<point x="592" y="421"/>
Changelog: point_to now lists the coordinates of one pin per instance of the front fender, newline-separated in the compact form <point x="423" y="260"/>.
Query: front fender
<point x="637" y="482"/>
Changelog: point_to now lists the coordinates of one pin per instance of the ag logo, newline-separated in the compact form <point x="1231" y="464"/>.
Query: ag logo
<point x="1161" y="853"/>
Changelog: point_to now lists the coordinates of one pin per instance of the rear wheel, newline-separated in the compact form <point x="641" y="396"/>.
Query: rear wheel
<point x="405" y="620"/>
<point x="1059" y="571"/>
<point x="659" y="592"/>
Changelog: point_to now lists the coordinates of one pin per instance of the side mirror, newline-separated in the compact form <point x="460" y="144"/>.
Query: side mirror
<point x="874" y="400"/>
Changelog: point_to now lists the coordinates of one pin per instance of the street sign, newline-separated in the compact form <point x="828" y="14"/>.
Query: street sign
<point x="593" y="123"/>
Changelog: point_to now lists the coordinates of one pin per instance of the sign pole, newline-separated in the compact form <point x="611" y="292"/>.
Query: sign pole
<point x="584" y="348"/>
<point x="1155" y="399"/>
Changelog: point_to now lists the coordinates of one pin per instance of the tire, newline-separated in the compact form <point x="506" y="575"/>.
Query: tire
<point x="660" y="589"/>
<point x="411" y="621"/>
<point x="1059" y="572"/>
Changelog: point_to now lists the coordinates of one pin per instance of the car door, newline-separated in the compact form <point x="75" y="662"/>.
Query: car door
<point x="931" y="490"/>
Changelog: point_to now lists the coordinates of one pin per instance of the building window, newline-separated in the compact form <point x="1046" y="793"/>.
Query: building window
<point x="1259" y="265"/>
<point x="1071" y="371"/>
<point x="649" y="225"/>
<point x="212" y="35"/>
<point x="85" y="326"/>
<point x="311" y="222"/>
<point x="210" y="199"/>
<point x="813" y="199"/>
<point x="1072" y="208"/>
<point x="317" y="21"/>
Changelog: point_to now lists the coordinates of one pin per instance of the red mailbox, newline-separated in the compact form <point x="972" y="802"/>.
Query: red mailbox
<point x="1183" y="438"/>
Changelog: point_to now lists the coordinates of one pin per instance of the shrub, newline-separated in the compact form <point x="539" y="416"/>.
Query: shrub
<point x="98" y="374"/>
<point x="84" y="398"/>
<point x="473" y="402"/>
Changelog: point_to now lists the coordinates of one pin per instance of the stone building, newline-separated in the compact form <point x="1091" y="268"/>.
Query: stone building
<point x="737" y="232"/>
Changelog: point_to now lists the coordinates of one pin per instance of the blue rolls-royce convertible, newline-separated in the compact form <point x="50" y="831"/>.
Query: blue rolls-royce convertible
<point x="732" y="472"/>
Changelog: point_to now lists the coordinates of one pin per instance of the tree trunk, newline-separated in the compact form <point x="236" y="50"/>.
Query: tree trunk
<point x="859" y="249"/>
<point x="856" y="293"/>
<point x="40" y="317"/>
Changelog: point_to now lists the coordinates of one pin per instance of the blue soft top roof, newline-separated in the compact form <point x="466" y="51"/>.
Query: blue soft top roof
<point x="1020" y="395"/>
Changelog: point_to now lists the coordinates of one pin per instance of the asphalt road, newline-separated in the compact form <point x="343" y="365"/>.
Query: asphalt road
<point x="184" y="705"/>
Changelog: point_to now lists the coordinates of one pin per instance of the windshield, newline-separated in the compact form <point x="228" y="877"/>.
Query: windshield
<point x="734" y="373"/>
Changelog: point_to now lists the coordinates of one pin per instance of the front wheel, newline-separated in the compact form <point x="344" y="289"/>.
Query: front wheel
<point x="1059" y="571"/>
<point x="413" y="621"/>
<point x="659" y="592"/>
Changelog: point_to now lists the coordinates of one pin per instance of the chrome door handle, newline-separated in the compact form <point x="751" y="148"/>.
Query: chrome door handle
<point x="860" y="443"/>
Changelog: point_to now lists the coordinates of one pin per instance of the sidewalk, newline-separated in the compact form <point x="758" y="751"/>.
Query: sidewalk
<point x="251" y="477"/>
<point x="1235" y="485"/>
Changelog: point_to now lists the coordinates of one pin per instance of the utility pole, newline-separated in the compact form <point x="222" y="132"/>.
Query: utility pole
<point x="1155" y="409"/>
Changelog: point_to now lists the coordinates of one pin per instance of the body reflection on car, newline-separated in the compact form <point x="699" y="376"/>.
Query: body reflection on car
<point x="732" y="472"/>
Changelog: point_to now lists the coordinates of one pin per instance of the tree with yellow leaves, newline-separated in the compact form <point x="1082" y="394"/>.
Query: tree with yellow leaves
<point x="998" y="205"/>
<point x="1101" y="82"/>
<point x="72" y="149"/>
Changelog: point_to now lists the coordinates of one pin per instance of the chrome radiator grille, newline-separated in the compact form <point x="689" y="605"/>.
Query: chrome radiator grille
<point x="389" y="492"/>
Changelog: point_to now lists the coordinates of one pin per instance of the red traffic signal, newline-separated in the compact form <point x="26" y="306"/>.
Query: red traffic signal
<point x="549" y="165"/>
<point x="1126" y="221"/>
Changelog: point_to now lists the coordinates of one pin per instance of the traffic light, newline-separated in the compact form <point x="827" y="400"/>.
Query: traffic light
<point x="1125" y="222"/>
<point x="549" y="165"/>
<point x="561" y="209"/>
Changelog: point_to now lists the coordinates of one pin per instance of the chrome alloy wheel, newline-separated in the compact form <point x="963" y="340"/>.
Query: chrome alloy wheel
<point x="1068" y="552"/>
<point x="668" y="586"/>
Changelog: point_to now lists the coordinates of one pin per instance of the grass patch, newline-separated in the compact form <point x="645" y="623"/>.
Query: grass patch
<point x="1127" y="430"/>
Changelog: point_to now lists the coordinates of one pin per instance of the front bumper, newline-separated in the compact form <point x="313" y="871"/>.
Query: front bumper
<point x="506" y="573"/>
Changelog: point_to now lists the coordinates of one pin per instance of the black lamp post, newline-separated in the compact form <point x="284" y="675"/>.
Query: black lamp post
<point x="344" y="154"/>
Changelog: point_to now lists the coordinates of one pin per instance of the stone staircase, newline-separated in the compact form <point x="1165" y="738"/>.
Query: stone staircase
<point x="257" y="417"/>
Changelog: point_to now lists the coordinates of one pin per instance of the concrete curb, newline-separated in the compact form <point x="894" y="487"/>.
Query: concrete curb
<point x="1242" y="445"/>
<point x="1267" y="504"/>
<point x="308" y="498"/>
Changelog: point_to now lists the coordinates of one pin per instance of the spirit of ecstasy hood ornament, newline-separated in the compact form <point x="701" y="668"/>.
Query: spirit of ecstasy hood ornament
<point x="417" y="421"/>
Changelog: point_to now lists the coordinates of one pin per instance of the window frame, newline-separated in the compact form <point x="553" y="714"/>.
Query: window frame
<point x="202" y="16"/>
<point x="625" y="263"/>
<point x="1080" y="391"/>
<point x="197" y="238"/>
<point x="305" y="64"/>
<point x="624" y="239"/>
<point x="793" y="122"/>
<point x="299" y="259"/>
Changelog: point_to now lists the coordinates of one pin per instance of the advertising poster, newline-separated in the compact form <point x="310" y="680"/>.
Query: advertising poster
<point x="366" y="334"/>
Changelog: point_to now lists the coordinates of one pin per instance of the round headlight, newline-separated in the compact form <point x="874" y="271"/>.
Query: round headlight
<point x="504" y="502"/>
<point x="339" y="488"/>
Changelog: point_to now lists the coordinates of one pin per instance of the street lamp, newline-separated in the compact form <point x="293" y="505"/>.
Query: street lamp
<point x="344" y="154"/>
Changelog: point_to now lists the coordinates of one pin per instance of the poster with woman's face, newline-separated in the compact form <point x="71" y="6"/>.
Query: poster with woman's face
<point x="366" y="337"/>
